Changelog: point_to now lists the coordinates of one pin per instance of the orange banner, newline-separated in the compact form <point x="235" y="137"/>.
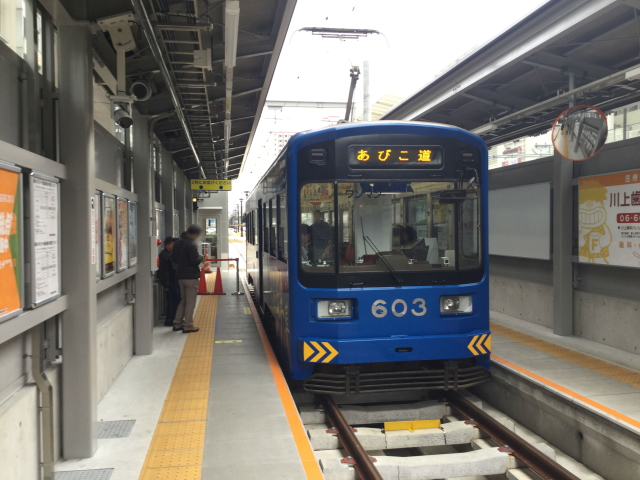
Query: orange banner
<point x="10" y="241"/>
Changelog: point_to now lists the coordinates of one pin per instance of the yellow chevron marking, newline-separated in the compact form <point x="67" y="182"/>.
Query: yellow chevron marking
<point x="321" y="352"/>
<point x="479" y="344"/>
<point x="470" y="346"/>
<point x="487" y="344"/>
<point x="332" y="354"/>
<point x="307" y="350"/>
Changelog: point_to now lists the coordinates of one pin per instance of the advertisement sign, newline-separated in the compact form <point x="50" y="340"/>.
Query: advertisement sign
<point x="96" y="217"/>
<point x="133" y="234"/>
<point x="108" y="235"/>
<point x="44" y="238"/>
<point x="10" y="242"/>
<point x="609" y="219"/>
<point x="123" y="234"/>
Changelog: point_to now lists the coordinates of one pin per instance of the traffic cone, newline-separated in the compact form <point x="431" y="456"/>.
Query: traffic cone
<point x="202" y="286"/>
<point x="207" y="266"/>
<point x="217" y="289"/>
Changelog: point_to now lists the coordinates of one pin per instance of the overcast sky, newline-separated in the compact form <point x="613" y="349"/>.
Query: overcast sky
<point x="421" y="38"/>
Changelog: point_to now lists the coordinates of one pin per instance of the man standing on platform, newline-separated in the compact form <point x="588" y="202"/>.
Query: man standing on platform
<point x="169" y="282"/>
<point x="187" y="262"/>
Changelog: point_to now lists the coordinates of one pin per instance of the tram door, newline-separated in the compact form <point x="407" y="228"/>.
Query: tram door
<point x="259" y="253"/>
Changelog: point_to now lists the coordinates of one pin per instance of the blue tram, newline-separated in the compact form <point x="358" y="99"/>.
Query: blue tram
<point x="367" y="251"/>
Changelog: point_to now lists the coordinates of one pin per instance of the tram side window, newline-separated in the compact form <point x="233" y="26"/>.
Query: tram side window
<point x="265" y="227"/>
<point x="254" y="216"/>
<point x="470" y="234"/>
<point x="317" y="224"/>
<point x="272" y="227"/>
<point x="282" y="227"/>
<point x="249" y="228"/>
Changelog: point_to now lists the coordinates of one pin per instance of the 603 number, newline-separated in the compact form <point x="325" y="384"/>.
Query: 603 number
<point x="399" y="308"/>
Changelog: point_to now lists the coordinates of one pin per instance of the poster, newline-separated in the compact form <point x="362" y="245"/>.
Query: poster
<point x="108" y="235"/>
<point x="10" y="243"/>
<point x="97" y="238"/>
<point x="133" y="234"/>
<point x="609" y="219"/>
<point x="45" y="239"/>
<point x="123" y="234"/>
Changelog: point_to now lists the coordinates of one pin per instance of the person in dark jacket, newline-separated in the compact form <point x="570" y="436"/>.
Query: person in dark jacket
<point x="187" y="264"/>
<point x="169" y="282"/>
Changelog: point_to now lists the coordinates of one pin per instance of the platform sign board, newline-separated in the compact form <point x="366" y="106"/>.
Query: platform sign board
<point x="96" y="220"/>
<point x="609" y="219"/>
<point x="123" y="233"/>
<point x="44" y="239"/>
<point x="109" y="235"/>
<point x="133" y="234"/>
<point x="11" y="241"/>
<point x="216" y="185"/>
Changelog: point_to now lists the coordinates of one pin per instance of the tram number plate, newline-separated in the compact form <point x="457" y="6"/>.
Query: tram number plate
<point x="399" y="308"/>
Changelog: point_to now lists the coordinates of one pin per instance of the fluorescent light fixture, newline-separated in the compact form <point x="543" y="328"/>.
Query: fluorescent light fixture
<point x="632" y="74"/>
<point x="489" y="127"/>
<point x="231" y="20"/>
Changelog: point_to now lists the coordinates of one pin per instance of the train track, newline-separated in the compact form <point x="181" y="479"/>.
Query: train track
<point x="497" y="450"/>
<point x="466" y="429"/>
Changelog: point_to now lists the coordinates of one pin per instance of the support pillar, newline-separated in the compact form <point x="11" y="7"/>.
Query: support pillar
<point x="79" y="321"/>
<point x="168" y="196"/>
<point x="147" y="251"/>
<point x="181" y="205"/>
<point x="562" y="246"/>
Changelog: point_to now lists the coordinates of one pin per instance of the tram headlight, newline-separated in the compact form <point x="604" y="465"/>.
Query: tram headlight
<point x="456" y="304"/>
<point x="334" y="308"/>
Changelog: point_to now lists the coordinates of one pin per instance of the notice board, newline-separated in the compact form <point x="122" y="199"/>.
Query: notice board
<point x="520" y="221"/>
<point x="44" y="234"/>
<point x="609" y="219"/>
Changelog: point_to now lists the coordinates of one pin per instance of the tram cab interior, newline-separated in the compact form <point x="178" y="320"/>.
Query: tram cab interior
<point x="408" y="226"/>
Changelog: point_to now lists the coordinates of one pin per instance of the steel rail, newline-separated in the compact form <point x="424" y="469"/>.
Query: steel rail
<point x="363" y="464"/>
<point x="533" y="458"/>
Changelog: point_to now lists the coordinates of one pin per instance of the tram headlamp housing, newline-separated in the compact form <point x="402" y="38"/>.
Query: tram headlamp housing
<point x="334" y="308"/>
<point x="456" y="304"/>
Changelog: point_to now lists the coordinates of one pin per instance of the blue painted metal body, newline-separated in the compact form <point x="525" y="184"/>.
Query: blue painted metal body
<point x="364" y="338"/>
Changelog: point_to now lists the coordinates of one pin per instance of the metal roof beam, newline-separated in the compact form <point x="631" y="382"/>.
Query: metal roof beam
<point x="498" y="99"/>
<point x="251" y="55"/>
<point x="558" y="63"/>
<point x="190" y="27"/>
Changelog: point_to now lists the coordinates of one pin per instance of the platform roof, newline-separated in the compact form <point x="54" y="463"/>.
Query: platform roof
<point x="517" y="83"/>
<point x="182" y="27"/>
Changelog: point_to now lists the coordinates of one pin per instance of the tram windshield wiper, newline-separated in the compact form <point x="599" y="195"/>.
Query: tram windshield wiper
<point x="384" y="260"/>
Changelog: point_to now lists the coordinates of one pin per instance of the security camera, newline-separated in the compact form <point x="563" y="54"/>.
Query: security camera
<point x="122" y="118"/>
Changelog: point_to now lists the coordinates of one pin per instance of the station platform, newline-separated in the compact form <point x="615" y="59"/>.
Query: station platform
<point x="211" y="404"/>
<point x="603" y="379"/>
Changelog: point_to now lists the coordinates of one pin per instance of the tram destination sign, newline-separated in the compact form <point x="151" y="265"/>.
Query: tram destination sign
<point x="216" y="185"/>
<point x="395" y="156"/>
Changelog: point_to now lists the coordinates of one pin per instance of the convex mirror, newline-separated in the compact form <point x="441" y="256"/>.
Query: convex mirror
<point x="579" y="132"/>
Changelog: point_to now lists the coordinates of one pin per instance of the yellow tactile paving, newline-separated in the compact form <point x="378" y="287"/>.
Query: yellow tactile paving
<point x="177" y="442"/>
<point x="181" y="428"/>
<point x="177" y="446"/>
<point x="610" y="370"/>
<point x="172" y="473"/>
<point x="174" y="458"/>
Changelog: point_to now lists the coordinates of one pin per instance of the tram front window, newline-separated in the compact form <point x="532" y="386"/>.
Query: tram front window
<point x="402" y="225"/>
